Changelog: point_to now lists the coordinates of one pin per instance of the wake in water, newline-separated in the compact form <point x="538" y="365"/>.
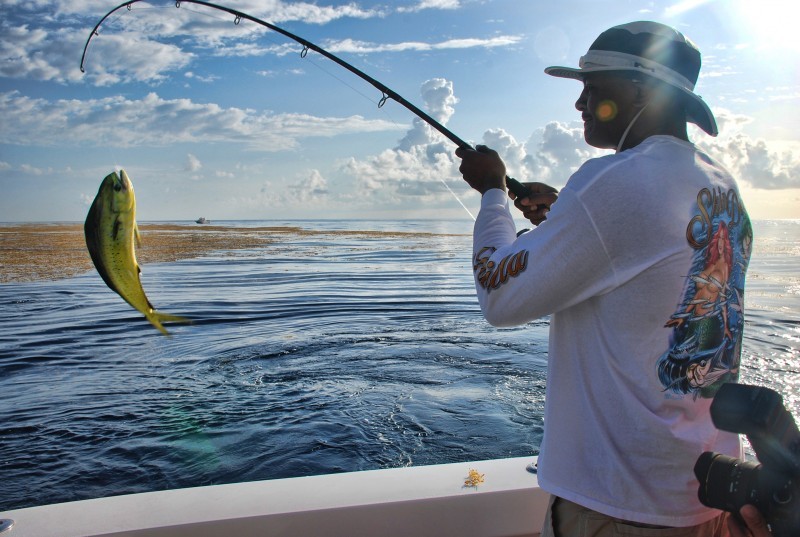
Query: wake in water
<point x="321" y="350"/>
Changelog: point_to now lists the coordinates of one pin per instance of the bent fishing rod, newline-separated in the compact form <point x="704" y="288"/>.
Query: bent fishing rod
<point x="387" y="93"/>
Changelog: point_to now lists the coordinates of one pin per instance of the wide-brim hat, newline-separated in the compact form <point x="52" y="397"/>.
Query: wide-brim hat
<point x="653" y="49"/>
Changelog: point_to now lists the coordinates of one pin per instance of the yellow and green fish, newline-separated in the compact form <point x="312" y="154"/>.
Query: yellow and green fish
<point x="111" y="232"/>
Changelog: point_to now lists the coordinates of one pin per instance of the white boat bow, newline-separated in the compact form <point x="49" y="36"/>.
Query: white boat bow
<point x="414" y="501"/>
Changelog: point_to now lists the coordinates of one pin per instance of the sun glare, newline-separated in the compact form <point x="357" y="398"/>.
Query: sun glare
<point x="768" y="24"/>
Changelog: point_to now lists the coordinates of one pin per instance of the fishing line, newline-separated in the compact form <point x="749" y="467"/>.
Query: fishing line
<point x="96" y="100"/>
<point x="457" y="198"/>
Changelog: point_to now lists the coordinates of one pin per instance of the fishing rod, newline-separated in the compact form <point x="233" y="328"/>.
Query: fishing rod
<point x="387" y="93"/>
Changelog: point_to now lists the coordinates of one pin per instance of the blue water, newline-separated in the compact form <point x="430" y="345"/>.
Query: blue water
<point x="318" y="353"/>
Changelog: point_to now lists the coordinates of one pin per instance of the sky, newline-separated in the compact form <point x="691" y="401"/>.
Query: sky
<point x="229" y="121"/>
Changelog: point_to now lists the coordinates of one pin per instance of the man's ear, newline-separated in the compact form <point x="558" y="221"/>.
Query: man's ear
<point x="653" y="93"/>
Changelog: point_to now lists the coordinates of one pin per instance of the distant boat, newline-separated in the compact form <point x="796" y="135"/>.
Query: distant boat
<point x="202" y="220"/>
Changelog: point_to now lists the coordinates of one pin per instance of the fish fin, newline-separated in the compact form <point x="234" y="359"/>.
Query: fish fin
<point x="156" y="318"/>
<point x="136" y="236"/>
<point x="116" y="228"/>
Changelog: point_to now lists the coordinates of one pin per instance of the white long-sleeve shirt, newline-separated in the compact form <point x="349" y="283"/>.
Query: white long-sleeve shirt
<point x="645" y="323"/>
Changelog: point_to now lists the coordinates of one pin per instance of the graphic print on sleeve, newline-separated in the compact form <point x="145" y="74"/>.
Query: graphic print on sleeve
<point x="490" y="275"/>
<point x="706" y="338"/>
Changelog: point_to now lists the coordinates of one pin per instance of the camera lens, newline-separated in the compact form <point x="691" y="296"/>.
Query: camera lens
<point x="727" y="483"/>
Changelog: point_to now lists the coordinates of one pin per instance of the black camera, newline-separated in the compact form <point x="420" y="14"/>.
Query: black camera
<point x="773" y="486"/>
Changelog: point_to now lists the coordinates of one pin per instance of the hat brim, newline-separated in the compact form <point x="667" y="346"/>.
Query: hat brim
<point x="697" y="111"/>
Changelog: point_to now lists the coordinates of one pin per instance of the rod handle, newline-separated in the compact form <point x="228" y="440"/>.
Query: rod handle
<point x="519" y="190"/>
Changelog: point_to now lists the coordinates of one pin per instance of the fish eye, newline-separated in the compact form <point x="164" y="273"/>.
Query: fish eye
<point x="117" y="187"/>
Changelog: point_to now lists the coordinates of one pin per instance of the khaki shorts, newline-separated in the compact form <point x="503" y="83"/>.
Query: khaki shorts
<point x="567" y="519"/>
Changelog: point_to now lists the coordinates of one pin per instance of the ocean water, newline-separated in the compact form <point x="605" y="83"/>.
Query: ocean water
<point x="315" y="354"/>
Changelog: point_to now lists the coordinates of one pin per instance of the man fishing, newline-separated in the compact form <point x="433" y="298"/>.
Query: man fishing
<point x="640" y="260"/>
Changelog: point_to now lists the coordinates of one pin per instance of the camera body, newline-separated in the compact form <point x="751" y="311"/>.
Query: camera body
<point x="773" y="485"/>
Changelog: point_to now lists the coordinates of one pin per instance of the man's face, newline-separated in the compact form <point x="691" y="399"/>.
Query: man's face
<point x="606" y="106"/>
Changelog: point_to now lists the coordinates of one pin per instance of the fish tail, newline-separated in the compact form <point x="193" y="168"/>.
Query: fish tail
<point x="156" y="318"/>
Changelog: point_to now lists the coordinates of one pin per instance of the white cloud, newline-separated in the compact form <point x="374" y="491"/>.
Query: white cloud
<point x="271" y="10"/>
<point x="421" y="160"/>
<point x="353" y="46"/>
<point x="554" y="152"/>
<point x="146" y="44"/>
<point x="362" y="47"/>
<point x="121" y="122"/>
<point x="36" y="54"/>
<point x="312" y="188"/>
<point x="193" y="163"/>
<point x="127" y="47"/>
<point x="417" y="171"/>
<point x="50" y="55"/>
<point x="33" y="170"/>
<point x="132" y="57"/>
<point x="757" y="162"/>
<point x="430" y="4"/>
<point x="279" y="11"/>
<point x="307" y="188"/>
<point x="438" y="98"/>
<point x="202" y="78"/>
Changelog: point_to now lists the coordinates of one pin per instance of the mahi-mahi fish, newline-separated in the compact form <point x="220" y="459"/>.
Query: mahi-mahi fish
<point x="111" y="233"/>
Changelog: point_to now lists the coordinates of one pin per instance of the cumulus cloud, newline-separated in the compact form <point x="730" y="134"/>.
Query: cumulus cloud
<point x="439" y="100"/>
<point x="50" y="55"/>
<point x="554" y="152"/>
<point x="438" y="96"/>
<point x="761" y="164"/>
<point x="420" y="162"/>
<point x="25" y="54"/>
<point x="417" y="171"/>
<point x="152" y="120"/>
<point x="307" y="188"/>
<point x="313" y="187"/>
<point x="422" y="159"/>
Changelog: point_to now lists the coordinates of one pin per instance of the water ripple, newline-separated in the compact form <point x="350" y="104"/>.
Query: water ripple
<point x="322" y="354"/>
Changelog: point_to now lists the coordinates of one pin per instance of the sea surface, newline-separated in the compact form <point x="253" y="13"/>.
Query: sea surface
<point x="315" y="354"/>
